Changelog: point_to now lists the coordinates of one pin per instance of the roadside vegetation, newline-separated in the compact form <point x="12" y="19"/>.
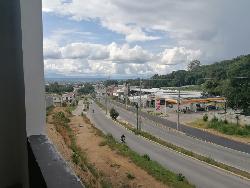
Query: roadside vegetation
<point x="223" y="126"/>
<point x="113" y="113"/>
<point x="79" y="157"/>
<point x="151" y="167"/>
<point x="184" y="151"/>
<point x="57" y="88"/>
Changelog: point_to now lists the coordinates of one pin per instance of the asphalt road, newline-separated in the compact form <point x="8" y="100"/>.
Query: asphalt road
<point x="200" y="174"/>
<point x="219" y="153"/>
<point x="194" y="132"/>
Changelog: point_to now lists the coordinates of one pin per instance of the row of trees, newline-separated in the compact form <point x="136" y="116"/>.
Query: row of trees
<point x="87" y="89"/>
<point x="57" y="88"/>
<point x="229" y="78"/>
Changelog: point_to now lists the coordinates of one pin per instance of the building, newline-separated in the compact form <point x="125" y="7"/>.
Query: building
<point x="57" y="100"/>
<point x="68" y="97"/>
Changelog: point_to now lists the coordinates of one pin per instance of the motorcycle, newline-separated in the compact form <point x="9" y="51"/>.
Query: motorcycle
<point x="123" y="139"/>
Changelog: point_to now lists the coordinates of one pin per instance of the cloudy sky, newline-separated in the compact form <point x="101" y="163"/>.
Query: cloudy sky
<point x="129" y="38"/>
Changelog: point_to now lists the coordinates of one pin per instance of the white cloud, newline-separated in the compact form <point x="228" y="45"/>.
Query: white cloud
<point x="51" y="50"/>
<point x="218" y="28"/>
<point x="92" y="59"/>
<point x="84" y="50"/>
<point x="179" y="55"/>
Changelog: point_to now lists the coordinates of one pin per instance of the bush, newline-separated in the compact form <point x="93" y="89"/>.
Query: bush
<point x="113" y="113"/>
<point x="215" y="119"/>
<point x="75" y="158"/>
<point x="146" y="156"/>
<point x="130" y="176"/>
<point x="60" y="119"/>
<point x="205" y="117"/>
<point x="180" y="177"/>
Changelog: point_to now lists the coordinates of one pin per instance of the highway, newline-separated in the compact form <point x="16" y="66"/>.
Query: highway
<point x="219" y="153"/>
<point x="194" y="132"/>
<point x="199" y="173"/>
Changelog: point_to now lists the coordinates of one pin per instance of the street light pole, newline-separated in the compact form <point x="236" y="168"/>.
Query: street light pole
<point x="178" y="110"/>
<point x="137" y="123"/>
<point x="140" y="107"/>
<point x="106" y="101"/>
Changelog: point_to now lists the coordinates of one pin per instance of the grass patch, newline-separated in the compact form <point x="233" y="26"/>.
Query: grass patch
<point x="79" y="157"/>
<point x="130" y="176"/>
<point x="186" y="152"/>
<point x="229" y="128"/>
<point x="223" y="126"/>
<point x="151" y="167"/>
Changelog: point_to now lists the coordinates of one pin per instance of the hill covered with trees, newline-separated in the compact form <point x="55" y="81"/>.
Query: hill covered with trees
<point x="229" y="78"/>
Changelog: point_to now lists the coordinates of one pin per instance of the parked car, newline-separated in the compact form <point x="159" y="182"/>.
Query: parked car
<point x="211" y="107"/>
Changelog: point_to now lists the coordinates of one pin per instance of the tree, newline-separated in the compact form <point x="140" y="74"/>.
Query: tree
<point x="87" y="89"/>
<point x="113" y="114"/>
<point x="57" y="88"/>
<point x="194" y="64"/>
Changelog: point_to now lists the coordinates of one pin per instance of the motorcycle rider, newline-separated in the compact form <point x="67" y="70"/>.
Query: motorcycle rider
<point x="123" y="138"/>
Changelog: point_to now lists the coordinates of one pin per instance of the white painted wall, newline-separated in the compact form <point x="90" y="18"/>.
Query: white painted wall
<point x="31" y="17"/>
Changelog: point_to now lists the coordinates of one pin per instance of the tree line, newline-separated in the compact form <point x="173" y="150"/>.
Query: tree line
<point x="228" y="78"/>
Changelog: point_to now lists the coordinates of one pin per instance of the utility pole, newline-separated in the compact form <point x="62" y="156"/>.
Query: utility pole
<point x="106" y="101"/>
<point x="137" y="119"/>
<point x="140" y="106"/>
<point x="178" y="110"/>
<point x="126" y="96"/>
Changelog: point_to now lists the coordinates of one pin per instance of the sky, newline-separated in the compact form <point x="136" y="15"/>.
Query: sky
<point x="129" y="38"/>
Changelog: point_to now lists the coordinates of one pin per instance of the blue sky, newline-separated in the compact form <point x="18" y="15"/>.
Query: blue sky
<point x="140" y="38"/>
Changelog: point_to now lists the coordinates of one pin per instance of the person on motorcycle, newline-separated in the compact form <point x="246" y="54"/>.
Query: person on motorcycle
<point x="123" y="138"/>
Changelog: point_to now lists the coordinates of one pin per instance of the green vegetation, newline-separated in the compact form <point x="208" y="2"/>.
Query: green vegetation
<point x="184" y="151"/>
<point x="154" y="113"/>
<point x="228" y="128"/>
<point x="226" y="78"/>
<point x="78" y="156"/>
<point x="152" y="167"/>
<point x="59" y="89"/>
<point x="130" y="176"/>
<point x="87" y="89"/>
<point x="205" y="117"/>
<point x="113" y="113"/>
<point x="146" y="156"/>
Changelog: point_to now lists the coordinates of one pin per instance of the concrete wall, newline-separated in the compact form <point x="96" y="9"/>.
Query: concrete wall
<point x="33" y="60"/>
<point x="13" y="151"/>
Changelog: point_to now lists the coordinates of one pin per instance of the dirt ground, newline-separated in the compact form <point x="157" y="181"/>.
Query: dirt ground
<point x="112" y="165"/>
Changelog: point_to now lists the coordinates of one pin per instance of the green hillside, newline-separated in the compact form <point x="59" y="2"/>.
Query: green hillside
<point x="226" y="78"/>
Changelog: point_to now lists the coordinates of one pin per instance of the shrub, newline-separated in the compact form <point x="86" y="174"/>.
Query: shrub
<point x="60" y="119"/>
<point x="146" y="156"/>
<point x="205" y="117"/>
<point x="130" y="176"/>
<point x="75" y="158"/>
<point x="180" y="177"/>
<point x="215" y="119"/>
<point x="225" y="121"/>
<point x="113" y="113"/>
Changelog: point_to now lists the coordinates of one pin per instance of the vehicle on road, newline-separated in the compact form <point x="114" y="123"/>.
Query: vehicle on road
<point x="123" y="138"/>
